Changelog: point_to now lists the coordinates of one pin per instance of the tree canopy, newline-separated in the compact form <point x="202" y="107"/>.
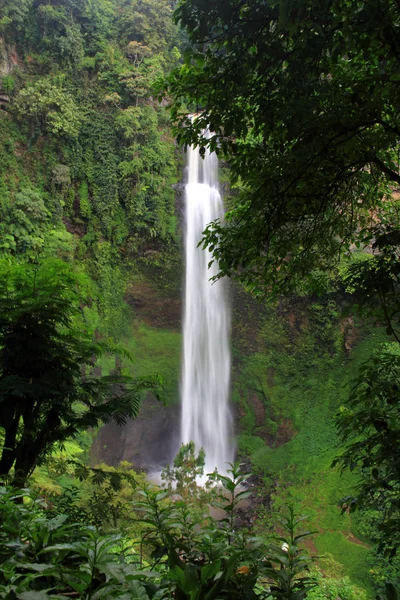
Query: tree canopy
<point x="303" y="98"/>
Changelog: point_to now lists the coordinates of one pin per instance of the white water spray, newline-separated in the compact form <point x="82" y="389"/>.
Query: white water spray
<point x="206" y="419"/>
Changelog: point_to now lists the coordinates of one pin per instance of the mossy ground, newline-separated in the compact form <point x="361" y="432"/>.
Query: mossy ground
<point x="286" y="394"/>
<point x="156" y="351"/>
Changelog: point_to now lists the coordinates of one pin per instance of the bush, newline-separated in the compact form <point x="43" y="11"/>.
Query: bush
<point x="47" y="106"/>
<point x="193" y="557"/>
<point x="329" y="588"/>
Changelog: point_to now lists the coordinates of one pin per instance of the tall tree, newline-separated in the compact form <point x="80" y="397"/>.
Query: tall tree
<point x="47" y="392"/>
<point x="304" y="100"/>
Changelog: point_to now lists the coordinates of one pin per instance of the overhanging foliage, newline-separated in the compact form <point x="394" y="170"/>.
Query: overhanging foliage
<point x="304" y="101"/>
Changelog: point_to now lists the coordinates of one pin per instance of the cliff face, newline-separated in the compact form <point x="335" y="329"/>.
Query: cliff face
<point x="150" y="442"/>
<point x="9" y="60"/>
<point x="290" y="366"/>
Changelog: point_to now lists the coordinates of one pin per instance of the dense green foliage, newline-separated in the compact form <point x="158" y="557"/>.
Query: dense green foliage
<point x="86" y="143"/>
<point x="88" y="162"/>
<point x="303" y="100"/>
<point x="46" y="396"/>
<point x="193" y="557"/>
<point x="371" y="420"/>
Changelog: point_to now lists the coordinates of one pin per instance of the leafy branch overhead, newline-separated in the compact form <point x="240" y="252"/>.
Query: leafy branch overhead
<point x="303" y="99"/>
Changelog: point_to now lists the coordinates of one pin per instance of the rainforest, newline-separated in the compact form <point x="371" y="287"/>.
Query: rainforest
<point x="199" y="299"/>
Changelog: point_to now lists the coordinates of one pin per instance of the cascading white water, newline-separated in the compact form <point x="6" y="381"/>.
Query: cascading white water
<point x="206" y="418"/>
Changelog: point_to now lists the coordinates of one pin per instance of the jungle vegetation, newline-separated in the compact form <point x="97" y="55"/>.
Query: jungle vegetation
<point x="302" y="97"/>
<point x="303" y="100"/>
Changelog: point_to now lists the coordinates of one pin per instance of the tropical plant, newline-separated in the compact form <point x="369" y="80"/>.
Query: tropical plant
<point x="372" y="279"/>
<point x="370" y="427"/>
<point x="44" y="551"/>
<point x="187" y="471"/>
<point x="45" y="394"/>
<point x="288" y="565"/>
<point x="207" y="559"/>
<point x="45" y="556"/>
<point x="45" y="105"/>
<point x="24" y="223"/>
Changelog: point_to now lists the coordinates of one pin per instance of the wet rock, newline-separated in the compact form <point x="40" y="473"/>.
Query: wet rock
<point x="149" y="442"/>
<point x="9" y="59"/>
<point x="351" y="334"/>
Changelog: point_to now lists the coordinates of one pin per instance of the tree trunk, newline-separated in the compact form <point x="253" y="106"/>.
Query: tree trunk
<point x="9" y="451"/>
<point x="26" y="456"/>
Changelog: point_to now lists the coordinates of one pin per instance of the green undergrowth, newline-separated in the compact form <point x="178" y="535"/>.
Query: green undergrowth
<point x="153" y="351"/>
<point x="287" y="393"/>
<point x="156" y="351"/>
<point x="318" y="497"/>
<point x="333" y="583"/>
<point x="354" y="557"/>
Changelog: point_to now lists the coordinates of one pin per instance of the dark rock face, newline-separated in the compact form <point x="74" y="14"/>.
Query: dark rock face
<point x="149" y="442"/>
<point x="153" y="308"/>
<point x="351" y="334"/>
<point x="9" y="59"/>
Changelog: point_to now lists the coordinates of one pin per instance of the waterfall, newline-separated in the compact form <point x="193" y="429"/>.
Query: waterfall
<point x="206" y="418"/>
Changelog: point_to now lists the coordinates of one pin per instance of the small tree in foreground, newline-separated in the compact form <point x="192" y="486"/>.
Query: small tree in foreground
<point x="288" y="564"/>
<point x="188" y="467"/>
<point x="46" y="391"/>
